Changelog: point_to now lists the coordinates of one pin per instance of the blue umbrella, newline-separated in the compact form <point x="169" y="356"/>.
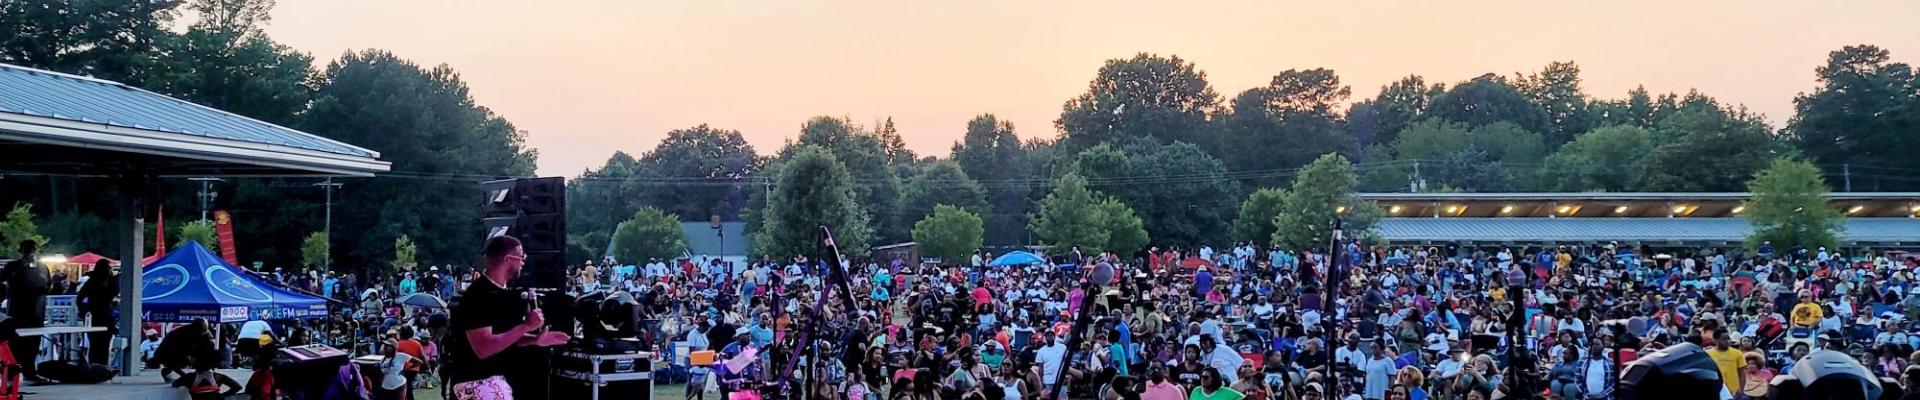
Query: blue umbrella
<point x="1016" y="258"/>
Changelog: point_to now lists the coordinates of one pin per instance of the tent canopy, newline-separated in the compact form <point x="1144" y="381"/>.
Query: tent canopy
<point x="1016" y="258"/>
<point x="192" y="282"/>
<point x="88" y="258"/>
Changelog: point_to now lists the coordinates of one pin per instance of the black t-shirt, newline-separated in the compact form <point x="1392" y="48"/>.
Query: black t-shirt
<point x="483" y="305"/>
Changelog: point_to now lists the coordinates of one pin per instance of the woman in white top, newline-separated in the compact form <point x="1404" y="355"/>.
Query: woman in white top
<point x="392" y="384"/>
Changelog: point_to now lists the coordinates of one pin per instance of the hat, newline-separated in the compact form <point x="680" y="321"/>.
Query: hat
<point x="1314" y="387"/>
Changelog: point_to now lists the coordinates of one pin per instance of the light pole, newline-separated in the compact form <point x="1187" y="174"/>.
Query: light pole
<point x="329" y="185"/>
<point x="206" y="193"/>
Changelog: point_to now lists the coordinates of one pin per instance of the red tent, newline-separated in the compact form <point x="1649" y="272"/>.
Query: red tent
<point x="89" y="258"/>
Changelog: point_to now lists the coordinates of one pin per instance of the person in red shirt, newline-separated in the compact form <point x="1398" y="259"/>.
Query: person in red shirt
<point x="412" y="348"/>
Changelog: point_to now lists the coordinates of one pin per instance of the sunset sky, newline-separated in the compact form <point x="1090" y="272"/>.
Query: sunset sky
<point x="586" y="78"/>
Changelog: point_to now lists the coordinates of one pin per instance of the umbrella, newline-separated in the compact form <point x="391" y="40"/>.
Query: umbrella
<point x="1016" y="258"/>
<point x="423" y="300"/>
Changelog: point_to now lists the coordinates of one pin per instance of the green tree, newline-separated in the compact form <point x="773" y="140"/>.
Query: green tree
<point x="990" y="151"/>
<point x="1487" y="100"/>
<point x="1255" y="222"/>
<point x="1865" y="116"/>
<point x="649" y="234"/>
<point x="113" y="40"/>
<point x="1071" y="216"/>
<point x="1284" y="125"/>
<point x="950" y="233"/>
<point x="1495" y="157"/>
<point x="1707" y="148"/>
<point x="1126" y="233"/>
<point x="942" y="183"/>
<point x="1556" y="90"/>
<point x="1323" y="190"/>
<point x="717" y="161"/>
<point x="1609" y="159"/>
<point x="1379" y="120"/>
<point x="404" y="253"/>
<point x="599" y="198"/>
<point x="18" y="227"/>
<point x="1789" y="207"/>
<point x="1183" y="194"/>
<point x="423" y="121"/>
<point x="1165" y="98"/>
<point x="814" y="190"/>
<point x="198" y="232"/>
<point x="316" y="251"/>
<point x="875" y="186"/>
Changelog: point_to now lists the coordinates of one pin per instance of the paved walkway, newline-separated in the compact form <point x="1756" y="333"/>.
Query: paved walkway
<point x="145" y="385"/>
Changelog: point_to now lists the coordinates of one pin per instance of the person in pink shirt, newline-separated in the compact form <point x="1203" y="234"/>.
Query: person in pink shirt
<point x="1160" y="388"/>
<point x="981" y="297"/>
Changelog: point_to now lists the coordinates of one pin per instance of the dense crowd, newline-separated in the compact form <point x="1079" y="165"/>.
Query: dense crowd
<point x="1406" y="323"/>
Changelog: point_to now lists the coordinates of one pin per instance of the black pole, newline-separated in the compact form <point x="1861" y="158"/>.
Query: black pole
<point x="1076" y="335"/>
<point x="1333" y="287"/>
<point x="1520" y="369"/>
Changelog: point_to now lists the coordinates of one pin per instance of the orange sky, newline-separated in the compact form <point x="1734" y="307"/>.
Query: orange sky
<point x="585" y="78"/>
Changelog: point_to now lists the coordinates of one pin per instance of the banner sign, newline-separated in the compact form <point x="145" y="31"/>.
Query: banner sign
<point x="223" y="227"/>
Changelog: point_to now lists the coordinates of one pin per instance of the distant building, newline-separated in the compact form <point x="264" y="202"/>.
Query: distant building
<point x="1882" y="219"/>
<point x="727" y="243"/>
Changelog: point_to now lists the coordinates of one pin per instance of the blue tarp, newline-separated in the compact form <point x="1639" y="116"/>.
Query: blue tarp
<point x="192" y="282"/>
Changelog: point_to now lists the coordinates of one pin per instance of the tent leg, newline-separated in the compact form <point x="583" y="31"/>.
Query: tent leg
<point x="131" y="223"/>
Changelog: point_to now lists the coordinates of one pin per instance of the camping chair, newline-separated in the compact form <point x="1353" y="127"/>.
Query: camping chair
<point x="10" y="373"/>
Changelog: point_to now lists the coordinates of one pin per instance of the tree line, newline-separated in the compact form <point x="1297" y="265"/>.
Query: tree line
<point x="1149" y="153"/>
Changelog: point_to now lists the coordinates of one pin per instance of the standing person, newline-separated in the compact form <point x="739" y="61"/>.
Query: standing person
<point x="96" y="300"/>
<point x="27" y="283"/>
<point x="487" y="321"/>
<point x="1379" y="370"/>
<point x="1729" y="359"/>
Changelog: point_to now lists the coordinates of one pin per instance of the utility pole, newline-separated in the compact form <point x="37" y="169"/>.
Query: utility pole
<point x="206" y="194"/>
<point x="1846" y="170"/>
<point x="329" y="185"/>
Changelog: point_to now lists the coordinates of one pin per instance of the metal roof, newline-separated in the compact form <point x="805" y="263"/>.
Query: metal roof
<point x="39" y="93"/>
<point x="1883" y="231"/>
<point x="702" y="240"/>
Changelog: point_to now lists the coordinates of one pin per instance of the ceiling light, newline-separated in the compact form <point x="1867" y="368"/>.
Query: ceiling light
<point x="1620" y="210"/>
<point x="1393" y="210"/>
<point x="1679" y="209"/>
<point x="1738" y="209"/>
<point x="1506" y="210"/>
<point x="1340" y="209"/>
<point x="1452" y="209"/>
<point x="1856" y="209"/>
<point x="1565" y="209"/>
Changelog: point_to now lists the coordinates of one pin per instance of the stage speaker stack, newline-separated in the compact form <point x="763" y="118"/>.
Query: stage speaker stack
<point x="303" y="372"/>
<point x="586" y="376"/>
<point x="1682" y="371"/>
<point x="533" y="210"/>
<point x="1832" y="375"/>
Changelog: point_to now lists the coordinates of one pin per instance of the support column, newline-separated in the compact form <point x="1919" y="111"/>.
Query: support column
<point x="132" y="192"/>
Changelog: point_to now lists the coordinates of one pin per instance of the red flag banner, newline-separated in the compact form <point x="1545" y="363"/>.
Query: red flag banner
<point x="223" y="228"/>
<point x="160" y="233"/>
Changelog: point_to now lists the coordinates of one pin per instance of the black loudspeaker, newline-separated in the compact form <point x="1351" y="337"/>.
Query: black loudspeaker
<point x="537" y="232"/>
<point x="534" y="211"/>
<point x="1830" y="375"/>
<point x="513" y="197"/>
<point x="1682" y="371"/>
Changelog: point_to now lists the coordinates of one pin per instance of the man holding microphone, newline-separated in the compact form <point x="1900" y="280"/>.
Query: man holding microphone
<point x="483" y="326"/>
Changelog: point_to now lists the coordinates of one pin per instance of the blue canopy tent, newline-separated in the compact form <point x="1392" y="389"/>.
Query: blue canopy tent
<point x="192" y="282"/>
<point x="1016" y="258"/>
